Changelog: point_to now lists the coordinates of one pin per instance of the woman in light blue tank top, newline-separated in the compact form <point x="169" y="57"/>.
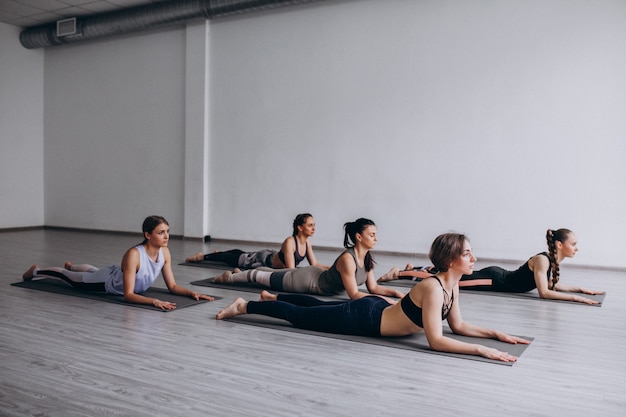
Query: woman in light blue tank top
<point x="141" y="266"/>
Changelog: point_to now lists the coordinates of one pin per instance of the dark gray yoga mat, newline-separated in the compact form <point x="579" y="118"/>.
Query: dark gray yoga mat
<point x="242" y="286"/>
<point x="207" y="265"/>
<point x="407" y="283"/>
<point x="415" y="342"/>
<point x="256" y="289"/>
<point x="58" y="286"/>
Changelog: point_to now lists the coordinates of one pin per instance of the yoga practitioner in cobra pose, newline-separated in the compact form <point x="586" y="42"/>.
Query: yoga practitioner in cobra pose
<point x="354" y="267"/>
<point x="541" y="271"/>
<point x="428" y="303"/>
<point x="294" y="250"/>
<point x="141" y="266"/>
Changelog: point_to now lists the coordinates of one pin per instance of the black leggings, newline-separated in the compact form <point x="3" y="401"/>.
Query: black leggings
<point x="228" y="257"/>
<point x="360" y="317"/>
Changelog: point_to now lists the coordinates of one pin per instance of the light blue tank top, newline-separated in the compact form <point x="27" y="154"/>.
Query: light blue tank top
<point x="148" y="273"/>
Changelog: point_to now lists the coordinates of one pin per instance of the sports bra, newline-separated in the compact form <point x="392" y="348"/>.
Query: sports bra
<point x="296" y="255"/>
<point x="414" y="313"/>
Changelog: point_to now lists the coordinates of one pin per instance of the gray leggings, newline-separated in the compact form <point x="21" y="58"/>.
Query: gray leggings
<point x="299" y="280"/>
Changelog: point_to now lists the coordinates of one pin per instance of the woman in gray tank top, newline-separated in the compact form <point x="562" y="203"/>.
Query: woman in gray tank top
<point x="354" y="267"/>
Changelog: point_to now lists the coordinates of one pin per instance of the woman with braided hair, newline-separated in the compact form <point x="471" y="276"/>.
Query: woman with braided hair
<point x="540" y="271"/>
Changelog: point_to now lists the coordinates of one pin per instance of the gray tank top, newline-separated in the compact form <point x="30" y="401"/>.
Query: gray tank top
<point x="330" y="281"/>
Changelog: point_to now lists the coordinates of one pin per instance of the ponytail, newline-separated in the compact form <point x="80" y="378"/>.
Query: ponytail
<point x="299" y="221"/>
<point x="351" y="229"/>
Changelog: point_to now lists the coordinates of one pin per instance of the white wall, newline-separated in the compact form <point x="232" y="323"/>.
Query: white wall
<point x="497" y="119"/>
<point x="114" y="145"/>
<point x="21" y="132"/>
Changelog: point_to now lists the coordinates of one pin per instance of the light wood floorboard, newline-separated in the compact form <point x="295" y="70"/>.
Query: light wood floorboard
<point x="68" y="356"/>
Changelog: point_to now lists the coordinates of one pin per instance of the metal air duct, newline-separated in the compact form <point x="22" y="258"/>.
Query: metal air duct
<point x="144" y="18"/>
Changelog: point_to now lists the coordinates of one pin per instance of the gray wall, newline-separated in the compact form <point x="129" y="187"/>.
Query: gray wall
<point x="21" y="132"/>
<point x="497" y="119"/>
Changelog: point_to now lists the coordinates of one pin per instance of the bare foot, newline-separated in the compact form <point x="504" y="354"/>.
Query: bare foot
<point x="30" y="274"/>
<point x="391" y="275"/>
<point x="236" y="270"/>
<point x="237" y="307"/>
<point x="225" y="277"/>
<point x="408" y="267"/>
<point x="267" y="296"/>
<point x="198" y="257"/>
<point x="68" y="265"/>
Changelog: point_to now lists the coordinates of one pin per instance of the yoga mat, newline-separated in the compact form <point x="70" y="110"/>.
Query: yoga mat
<point x="407" y="283"/>
<point x="256" y="289"/>
<point x="207" y="265"/>
<point x="242" y="286"/>
<point x="58" y="286"/>
<point x="415" y="342"/>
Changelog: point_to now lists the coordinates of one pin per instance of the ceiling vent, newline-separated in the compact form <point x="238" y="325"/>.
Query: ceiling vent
<point x="66" y="27"/>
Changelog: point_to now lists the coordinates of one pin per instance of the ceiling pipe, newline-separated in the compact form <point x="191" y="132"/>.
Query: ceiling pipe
<point x="156" y="15"/>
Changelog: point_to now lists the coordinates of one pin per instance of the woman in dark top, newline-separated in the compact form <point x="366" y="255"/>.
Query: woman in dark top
<point x="294" y="250"/>
<point x="428" y="303"/>
<point x="541" y="271"/>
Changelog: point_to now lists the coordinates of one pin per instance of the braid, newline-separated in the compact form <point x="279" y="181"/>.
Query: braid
<point x="554" y="264"/>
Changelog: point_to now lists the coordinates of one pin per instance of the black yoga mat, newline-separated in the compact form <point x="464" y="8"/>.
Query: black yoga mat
<point x="207" y="265"/>
<point x="415" y="342"/>
<point x="58" y="286"/>
<point x="407" y="283"/>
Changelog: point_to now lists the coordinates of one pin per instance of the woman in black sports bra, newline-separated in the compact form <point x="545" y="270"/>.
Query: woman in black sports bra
<point x="295" y="249"/>
<point x="428" y="303"/>
<point x="540" y="271"/>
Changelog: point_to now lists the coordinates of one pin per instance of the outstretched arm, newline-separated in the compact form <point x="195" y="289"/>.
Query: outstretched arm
<point x="130" y="266"/>
<point x="540" y="266"/>
<point x="431" y="310"/>
<point x="310" y="256"/>
<point x="374" y="288"/>
<point x="170" y="282"/>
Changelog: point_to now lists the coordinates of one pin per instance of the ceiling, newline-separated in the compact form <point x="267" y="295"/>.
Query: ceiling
<point x="28" y="13"/>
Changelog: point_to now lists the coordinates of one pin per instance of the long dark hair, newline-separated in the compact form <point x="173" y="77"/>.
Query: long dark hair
<point x="349" y="238"/>
<point x="445" y="249"/>
<point x="149" y="224"/>
<point x="299" y="221"/>
<point x="553" y="236"/>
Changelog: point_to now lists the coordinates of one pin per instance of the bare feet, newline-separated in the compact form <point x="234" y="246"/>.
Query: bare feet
<point x="30" y="274"/>
<point x="224" y="278"/>
<point x="198" y="257"/>
<point x="268" y="296"/>
<point x="237" y="307"/>
<point x="391" y="275"/>
<point x="68" y="265"/>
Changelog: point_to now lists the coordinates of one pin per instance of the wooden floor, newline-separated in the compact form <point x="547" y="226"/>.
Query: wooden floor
<point x="68" y="356"/>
